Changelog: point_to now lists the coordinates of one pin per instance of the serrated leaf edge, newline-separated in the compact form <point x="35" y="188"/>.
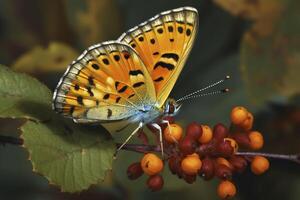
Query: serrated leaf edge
<point x="50" y="182"/>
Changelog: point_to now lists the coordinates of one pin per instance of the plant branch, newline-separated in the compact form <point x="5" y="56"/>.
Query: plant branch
<point x="142" y="148"/>
<point x="290" y="157"/>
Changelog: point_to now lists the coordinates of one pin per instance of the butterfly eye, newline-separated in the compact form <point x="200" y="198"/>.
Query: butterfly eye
<point x="171" y="108"/>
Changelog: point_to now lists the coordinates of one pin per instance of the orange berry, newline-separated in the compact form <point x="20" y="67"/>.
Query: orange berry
<point x="233" y="144"/>
<point x="173" y="134"/>
<point x="259" y="165"/>
<point x="206" y="134"/>
<point x="247" y="124"/>
<point x="194" y="154"/>
<point x="256" y="140"/>
<point x="238" y="115"/>
<point x="151" y="164"/>
<point x="226" y="190"/>
<point x="191" y="164"/>
<point x="223" y="161"/>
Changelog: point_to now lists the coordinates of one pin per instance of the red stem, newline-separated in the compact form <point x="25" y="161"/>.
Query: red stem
<point x="140" y="148"/>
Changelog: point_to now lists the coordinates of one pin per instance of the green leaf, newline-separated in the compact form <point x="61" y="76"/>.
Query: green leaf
<point x="22" y="96"/>
<point x="68" y="155"/>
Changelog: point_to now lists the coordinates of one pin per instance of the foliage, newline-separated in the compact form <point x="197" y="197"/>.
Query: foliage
<point x="23" y="96"/>
<point x="68" y="155"/>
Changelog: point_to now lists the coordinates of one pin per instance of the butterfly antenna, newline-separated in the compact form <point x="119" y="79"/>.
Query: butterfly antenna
<point x="203" y="89"/>
<point x="205" y="94"/>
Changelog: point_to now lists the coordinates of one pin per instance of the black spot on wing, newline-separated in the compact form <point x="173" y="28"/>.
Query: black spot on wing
<point x="131" y="96"/>
<point x="123" y="89"/>
<point x="117" y="57"/>
<point x="126" y="55"/>
<point x="109" y="113"/>
<point x="91" y="80"/>
<point x="135" y="72"/>
<point x="105" y="61"/>
<point x="117" y="84"/>
<point x="76" y="87"/>
<point x="118" y="99"/>
<point x="89" y="89"/>
<point x="180" y="29"/>
<point x="80" y="100"/>
<point x="106" y="96"/>
<point x="141" y="39"/>
<point x="188" y="32"/>
<point x="159" y="79"/>
<point x="138" y="84"/>
<point x="166" y="65"/>
<point x="72" y="109"/>
<point x="171" y="55"/>
<point x="95" y="66"/>
<point x="160" y="30"/>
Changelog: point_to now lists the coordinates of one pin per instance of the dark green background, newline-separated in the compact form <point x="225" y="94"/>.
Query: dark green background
<point x="216" y="53"/>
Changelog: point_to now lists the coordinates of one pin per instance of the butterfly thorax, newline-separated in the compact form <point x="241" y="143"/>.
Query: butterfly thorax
<point x="149" y="113"/>
<point x="146" y="113"/>
<point x="170" y="107"/>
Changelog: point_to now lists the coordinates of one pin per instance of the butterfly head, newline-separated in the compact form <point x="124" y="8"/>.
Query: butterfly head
<point x="171" y="107"/>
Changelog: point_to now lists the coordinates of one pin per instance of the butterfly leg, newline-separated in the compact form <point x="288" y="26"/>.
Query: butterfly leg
<point x="129" y="137"/>
<point x="160" y="137"/>
<point x="169" y="127"/>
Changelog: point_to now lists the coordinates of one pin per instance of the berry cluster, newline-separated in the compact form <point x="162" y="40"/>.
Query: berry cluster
<point x="205" y="152"/>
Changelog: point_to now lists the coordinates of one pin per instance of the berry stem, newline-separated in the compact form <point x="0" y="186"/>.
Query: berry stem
<point x="290" y="157"/>
<point x="140" y="148"/>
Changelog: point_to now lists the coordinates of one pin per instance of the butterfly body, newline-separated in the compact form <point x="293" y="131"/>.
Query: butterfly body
<point x="130" y="79"/>
<point x="146" y="114"/>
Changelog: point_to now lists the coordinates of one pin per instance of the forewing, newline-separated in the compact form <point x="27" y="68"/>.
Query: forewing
<point x="163" y="43"/>
<point x="106" y="83"/>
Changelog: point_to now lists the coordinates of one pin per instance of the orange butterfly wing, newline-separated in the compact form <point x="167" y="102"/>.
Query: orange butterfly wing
<point x="106" y="83"/>
<point x="163" y="43"/>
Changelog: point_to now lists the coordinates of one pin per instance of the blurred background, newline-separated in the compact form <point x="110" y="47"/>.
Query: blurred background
<point x="256" y="42"/>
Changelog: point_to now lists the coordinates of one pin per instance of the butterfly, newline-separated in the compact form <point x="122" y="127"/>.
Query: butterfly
<point x="129" y="80"/>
